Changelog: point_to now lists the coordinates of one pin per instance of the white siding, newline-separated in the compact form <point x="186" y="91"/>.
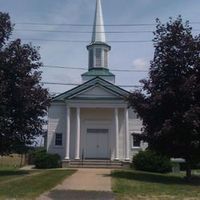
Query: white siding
<point x="56" y="124"/>
<point x="135" y="124"/>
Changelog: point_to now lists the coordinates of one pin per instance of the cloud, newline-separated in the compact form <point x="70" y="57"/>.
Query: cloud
<point x="140" y="64"/>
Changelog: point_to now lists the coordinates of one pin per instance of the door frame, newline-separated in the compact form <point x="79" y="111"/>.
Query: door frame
<point x="97" y="124"/>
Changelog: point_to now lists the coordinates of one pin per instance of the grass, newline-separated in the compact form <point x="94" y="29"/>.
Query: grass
<point x="7" y="174"/>
<point x="29" y="184"/>
<point x="130" y="184"/>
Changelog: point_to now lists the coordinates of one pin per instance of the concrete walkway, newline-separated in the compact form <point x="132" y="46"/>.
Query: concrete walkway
<point x="85" y="184"/>
<point x="28" y="167"/>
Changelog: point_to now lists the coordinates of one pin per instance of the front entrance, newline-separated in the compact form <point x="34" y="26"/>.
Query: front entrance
<point x="97" y="143"/>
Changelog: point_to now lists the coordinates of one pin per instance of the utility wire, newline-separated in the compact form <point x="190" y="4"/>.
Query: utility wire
<point x="76" y="84"/>
<point x="66" y="31"/>
<point x="82" y="68"/>
<point x="84" y="41"/>
<point x="88" y="25"/>
<point x="62" y="67"/>
<point x="86" y="32"/>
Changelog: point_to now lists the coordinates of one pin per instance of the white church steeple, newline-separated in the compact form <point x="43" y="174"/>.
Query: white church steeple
<point x="98" y="50"/>
<point x="98" y="34"/>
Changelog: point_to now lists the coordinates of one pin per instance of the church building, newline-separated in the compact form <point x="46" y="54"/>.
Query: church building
<point x="92" y="121"/>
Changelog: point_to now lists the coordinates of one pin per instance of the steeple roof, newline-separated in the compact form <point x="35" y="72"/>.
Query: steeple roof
<point x="98" y="34"/>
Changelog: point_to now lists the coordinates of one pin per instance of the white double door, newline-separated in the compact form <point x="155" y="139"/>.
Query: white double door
<point x="97" y="143"/>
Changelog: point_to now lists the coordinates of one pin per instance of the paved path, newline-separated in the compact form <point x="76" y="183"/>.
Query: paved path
<point x="28" y="167"/>
<point x="85" y="184"/>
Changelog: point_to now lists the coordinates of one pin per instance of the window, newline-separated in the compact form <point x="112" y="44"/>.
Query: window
<point x="98" y="57"/>
<point x="91" y="58"/>
<point x="105" y="58"/>
<point x="58" y="139"/>
<point x="136" y="140"/>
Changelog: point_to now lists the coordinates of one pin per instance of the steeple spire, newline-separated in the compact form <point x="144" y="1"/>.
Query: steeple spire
<point x="98" y="34"/>
<point x="98" y="50"/>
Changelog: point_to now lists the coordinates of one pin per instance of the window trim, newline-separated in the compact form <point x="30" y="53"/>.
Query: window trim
<point x="55" y="139"/>
<point x="132" y="140"/>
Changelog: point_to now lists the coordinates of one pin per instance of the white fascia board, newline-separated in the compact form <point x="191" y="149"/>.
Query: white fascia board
<point x="96" y="104"/>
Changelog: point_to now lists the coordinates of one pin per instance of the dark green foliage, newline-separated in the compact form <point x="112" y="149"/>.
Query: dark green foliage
<point x="23" y="101"/>
<point x="151" y="162"/>
<point x="33" y="153"/>
<point x="44" y="160"/>
<point x="169" y="102"/>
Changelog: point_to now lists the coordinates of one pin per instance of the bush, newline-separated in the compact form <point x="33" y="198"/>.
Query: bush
<point x="43" y="160"/>
<point x="33" y="153"/>
<point x="151" y="162"/>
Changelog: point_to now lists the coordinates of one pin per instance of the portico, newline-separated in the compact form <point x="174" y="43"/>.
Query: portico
<point x="96" y="135"/>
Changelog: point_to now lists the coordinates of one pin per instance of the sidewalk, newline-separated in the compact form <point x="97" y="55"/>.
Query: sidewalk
<point x="85" y="184"/>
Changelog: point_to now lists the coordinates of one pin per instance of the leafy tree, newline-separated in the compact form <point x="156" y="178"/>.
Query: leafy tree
<point x="23" y="101"/>
<point x="169" y="101"/>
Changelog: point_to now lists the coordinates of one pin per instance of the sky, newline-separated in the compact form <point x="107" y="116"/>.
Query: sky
<point x="124" y="55"/>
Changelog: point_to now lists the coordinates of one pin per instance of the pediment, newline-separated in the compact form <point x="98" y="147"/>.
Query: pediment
<point x="97" y="92"/>
<point x="94" y="88"/>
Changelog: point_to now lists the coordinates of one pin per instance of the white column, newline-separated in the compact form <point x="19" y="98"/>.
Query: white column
<point x="127" y="156"/>
<point x="77" y="151"/>
<point x="67" y="132"/>
<point x="116" y="135"/>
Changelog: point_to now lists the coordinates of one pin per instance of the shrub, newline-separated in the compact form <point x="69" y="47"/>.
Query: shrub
<point x="152" y="162"/>
<point x="43" y="160"/>
<point x="33" y="153"/>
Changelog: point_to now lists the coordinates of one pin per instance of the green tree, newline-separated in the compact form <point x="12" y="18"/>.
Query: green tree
<point x="23" y="101"/>
<point x="169" y="102"/>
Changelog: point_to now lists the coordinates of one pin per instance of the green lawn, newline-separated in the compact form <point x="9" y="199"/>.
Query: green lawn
<point x="18" y="184"/>
<point x="130" y="184"/>
<point x="7" y="174"/>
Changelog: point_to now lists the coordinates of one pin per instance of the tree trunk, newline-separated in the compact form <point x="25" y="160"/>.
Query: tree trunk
<point x="188" y="171"/>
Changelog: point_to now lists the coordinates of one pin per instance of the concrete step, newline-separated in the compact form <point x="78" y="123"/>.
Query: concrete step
<point x="93" y="164"/>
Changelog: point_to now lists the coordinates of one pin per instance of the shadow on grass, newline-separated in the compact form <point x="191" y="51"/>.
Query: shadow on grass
<point x="155" y="178"/>
<point x="13" y="172"/>
<point x="80" y="195"/>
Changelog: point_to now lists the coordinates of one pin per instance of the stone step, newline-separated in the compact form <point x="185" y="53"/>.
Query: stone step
<point x="93" y="164"/>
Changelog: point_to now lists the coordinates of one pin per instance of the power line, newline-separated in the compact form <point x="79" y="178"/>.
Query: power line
<point x="88" y="32"/>
<point x="84" y="41"/>
<point x="88" y="25"/>
<point x="62" y="67"/>
<point x="76" y="84"/>
<point x="55" y="83"/>
<point x="82" y="68"/>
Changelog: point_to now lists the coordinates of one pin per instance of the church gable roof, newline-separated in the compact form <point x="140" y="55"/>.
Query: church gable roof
<point x="87" y="89"/>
